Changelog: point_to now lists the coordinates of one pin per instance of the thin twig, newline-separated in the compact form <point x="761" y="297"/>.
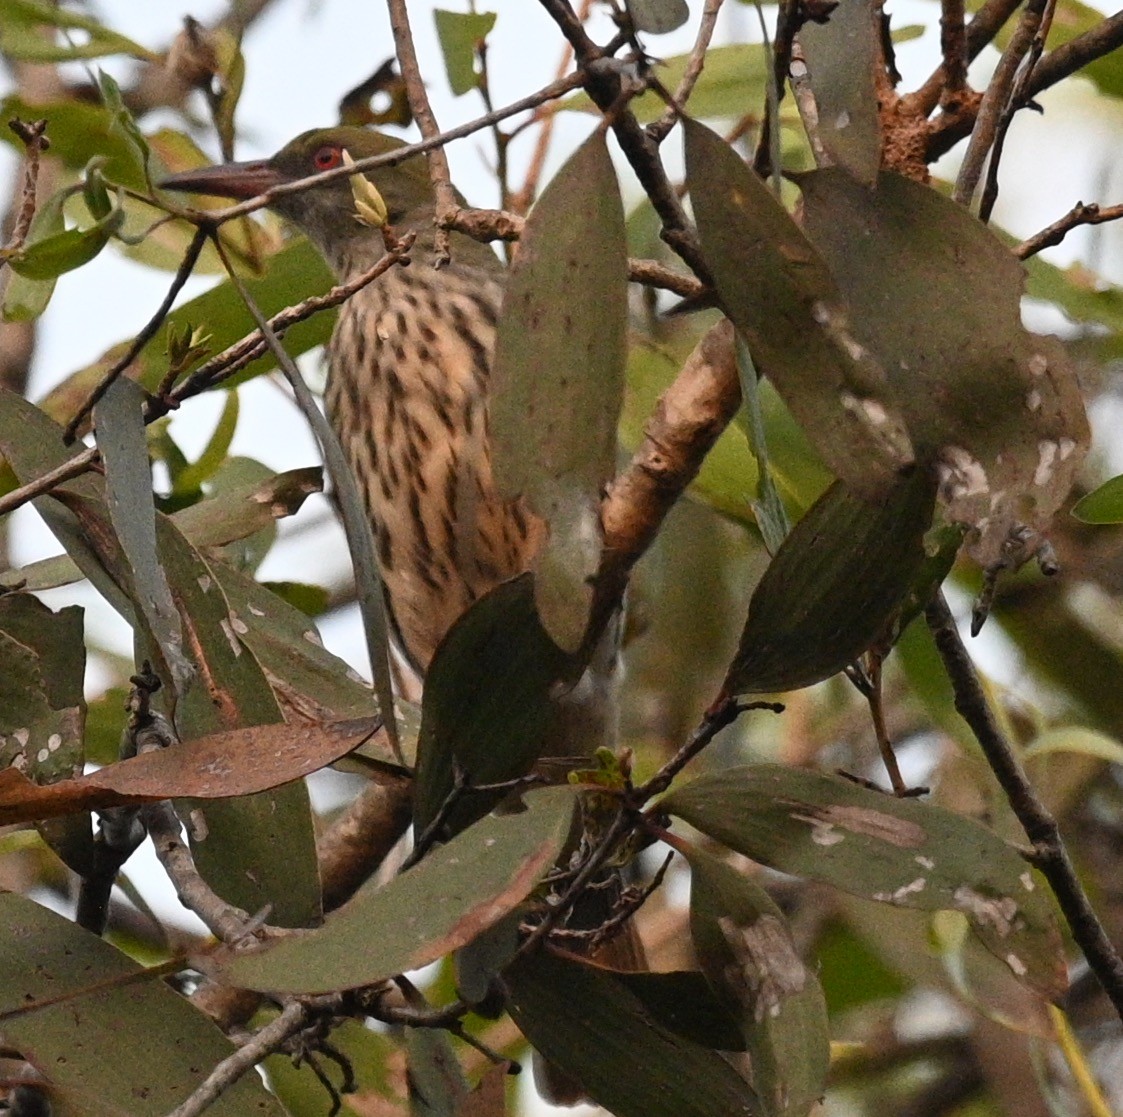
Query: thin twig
<point x="520" y="202"/>
<point x="722" y="713"/>
<point x="294" y="1016"/>
<point x="422" y="111"/>
<point x="356" y="525"/>
<point x="694" y="65"/>
<point x="183" y="273"/>
<point x="1050" y="854"/>
<point x="1074" y="55"/>
<point x="807" y="105"/>
<point x="253" y="345"/>
<point x="604" y="84"/>
<point x="1019" y="99"/>
<point x="988" y="21"/>
<point x="953" y="45"/>
<point x="994" y="102"/>
<point x="1081" y="214"/>
<point x="34" y="139"/>
<point x="789" y="19"/>
<point x="75" y="467"/>
<point x="223" y="920"/>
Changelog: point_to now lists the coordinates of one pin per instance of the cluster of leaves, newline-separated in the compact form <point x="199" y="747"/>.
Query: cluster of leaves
<point x="925" y="388"/>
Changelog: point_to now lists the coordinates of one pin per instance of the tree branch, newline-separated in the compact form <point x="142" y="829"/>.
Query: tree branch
<point x="1080" y="214"/>
<point x="1050" y="854"/>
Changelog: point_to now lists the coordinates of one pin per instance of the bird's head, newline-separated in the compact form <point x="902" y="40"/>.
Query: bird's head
<point x="326" y="212"/>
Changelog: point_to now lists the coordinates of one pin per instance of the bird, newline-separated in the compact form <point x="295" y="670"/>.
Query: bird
<point x="409" y="366"/>
<point x="409" y="372"/>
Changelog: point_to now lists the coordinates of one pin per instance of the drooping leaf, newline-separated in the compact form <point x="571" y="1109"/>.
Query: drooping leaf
<point x="77" y="1044"/>
<point x="745" y="948"/>
<point x="123" y="121"/>
<point x="782" y="298"/>
<point x="843" y="55"/>
<point x="896" y="851"/>
<point x="558" y="379"/>
<point x="587" y="1023"/>
<point x="460" y="35"/>
<point x="998" y="408"/>
<point x="445" y="901"/>
<point x="119" y="422"/>
<point x="832" y="587"/>
<point x="487" y="707"/>
<point x="258" y="850"/>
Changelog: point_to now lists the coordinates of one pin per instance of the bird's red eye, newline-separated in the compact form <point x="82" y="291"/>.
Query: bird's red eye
<point x="327" y="158"/>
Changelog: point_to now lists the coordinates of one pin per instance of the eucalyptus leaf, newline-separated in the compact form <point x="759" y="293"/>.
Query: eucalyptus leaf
<point x="843" y="55"/>
<point x="588" y="1023"/>
<point x="996" y="408"/>
<point x="833" y="587"/>
<point x="460" y="35"/>
<point x="558" y="378"/>
<point x="782" y="298"/>
<point x="106" y="1007"/>
<point x="897" y="851"/>
<point x="454" y="894"/>
<point x="745" y="948"/>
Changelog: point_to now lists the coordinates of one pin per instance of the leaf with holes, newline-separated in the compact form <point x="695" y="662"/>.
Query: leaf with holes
<point x="996" y="408"/>
<point x="783" y="300"/>
<point x="895" y="851"/>
<point x="745" y="948"/>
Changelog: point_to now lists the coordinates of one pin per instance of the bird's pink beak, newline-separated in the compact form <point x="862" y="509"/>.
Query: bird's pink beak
<point x="227" y="180"/>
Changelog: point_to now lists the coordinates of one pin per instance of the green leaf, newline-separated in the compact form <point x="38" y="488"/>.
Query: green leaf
<point x="834" y="584"/>
<point x="588" y="1023"/>
<point x="1075" y="739"/>
<point x="80" y="131"/>
<point x="558" y="377"/>
<point x="55" y="255"/>
<point x="438" y="1086"/>
<point x="123" y="123"/>
<point x="781" y="297"/>
<point x="460" y="35"/>
<point x="119" y="423"/>
<point x="684" y="1002"/>
<point x="657" y="17"/>
<point x="998" y="409"/>
<point x="437" y="906"/>
<point x="745" y="948"/>
<point x="1103" y="505"/>
<point x="102" y="1011"/>
<point x="486" y="709"/>
<point x="842" y="60"/>
<point x="896" y="851"/>
<point x="214" y="453"/>
<point x="259" y="850"/>
<point x="768" y="508"/>
<point x="21" y="37"/>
